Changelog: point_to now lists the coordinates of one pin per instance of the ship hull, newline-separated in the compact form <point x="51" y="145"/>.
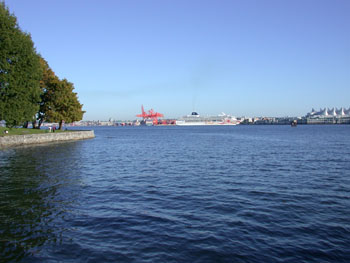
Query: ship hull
<point x="203" y="123"/>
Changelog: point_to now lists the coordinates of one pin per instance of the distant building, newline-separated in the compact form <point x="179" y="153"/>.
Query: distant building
<point x="329" y="116"/>
<point x="329" y="112"/>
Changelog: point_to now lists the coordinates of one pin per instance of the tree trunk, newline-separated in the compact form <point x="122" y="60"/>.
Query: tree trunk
<point x="34" y="124"/>
<point x="60" y="125"/>
<point x="25" y="125"/>
<point x="40" y="122"/>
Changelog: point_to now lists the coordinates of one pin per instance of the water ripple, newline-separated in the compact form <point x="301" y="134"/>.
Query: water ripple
<point x="196" y="194"/>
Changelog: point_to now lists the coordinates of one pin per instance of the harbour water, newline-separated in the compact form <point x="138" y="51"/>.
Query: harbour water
<point x="180" y="194"/>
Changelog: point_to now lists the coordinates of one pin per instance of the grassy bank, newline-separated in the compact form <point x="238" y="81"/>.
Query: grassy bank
<point x="21" y="131"/>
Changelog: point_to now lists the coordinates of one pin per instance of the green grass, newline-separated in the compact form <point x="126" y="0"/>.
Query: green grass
<point x="21" y="131"/>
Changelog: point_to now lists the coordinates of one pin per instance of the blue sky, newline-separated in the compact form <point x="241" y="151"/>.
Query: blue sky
<point x="241" y="57"/>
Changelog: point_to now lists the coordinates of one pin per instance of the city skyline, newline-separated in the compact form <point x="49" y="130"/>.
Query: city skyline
<point x="245" y="58"/>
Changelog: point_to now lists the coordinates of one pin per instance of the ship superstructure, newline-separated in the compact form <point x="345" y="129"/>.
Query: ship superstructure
<point x="194" y="119"/>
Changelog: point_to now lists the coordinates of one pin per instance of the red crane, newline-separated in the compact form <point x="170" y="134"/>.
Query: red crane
<point x="151" y="115"/>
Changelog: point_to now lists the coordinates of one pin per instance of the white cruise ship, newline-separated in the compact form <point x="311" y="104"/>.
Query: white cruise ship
<point x="195" y="120"/>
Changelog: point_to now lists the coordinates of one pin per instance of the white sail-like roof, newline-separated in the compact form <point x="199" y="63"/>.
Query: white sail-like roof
<point x="332" y="112"/>
<point x="324" y="112"/>
<point x="335" y="112"/>
<point x="341" y="111"/>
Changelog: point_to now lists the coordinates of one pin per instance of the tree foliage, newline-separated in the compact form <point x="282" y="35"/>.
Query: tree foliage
<point x="47" y="83"/>
<point x="59" y="103"/>
<point x="29" y="89"/>
<point x="20" y="72"/>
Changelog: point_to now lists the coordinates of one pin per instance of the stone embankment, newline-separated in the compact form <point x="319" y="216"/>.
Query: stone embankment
<point x="17" y="140"/>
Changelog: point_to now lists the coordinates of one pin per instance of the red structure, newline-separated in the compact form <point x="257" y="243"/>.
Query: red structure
<point x="151" y="115"/>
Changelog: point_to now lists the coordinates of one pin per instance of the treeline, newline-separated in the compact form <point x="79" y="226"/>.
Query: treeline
<point x="30" y="92"/>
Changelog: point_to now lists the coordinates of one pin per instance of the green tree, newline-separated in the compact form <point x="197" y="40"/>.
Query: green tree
<point x="61" y="103"/>
<point x="48" y="83"/>
<point x="20" y="72"/>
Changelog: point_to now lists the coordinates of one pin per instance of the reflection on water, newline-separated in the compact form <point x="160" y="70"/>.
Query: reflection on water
<point x="37" y="190"/>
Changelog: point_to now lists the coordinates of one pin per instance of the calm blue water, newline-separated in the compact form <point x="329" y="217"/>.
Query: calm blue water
<point x="180" y="194"/>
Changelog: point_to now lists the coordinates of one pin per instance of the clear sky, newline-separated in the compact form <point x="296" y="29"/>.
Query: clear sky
<point x="241" y="57"/>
